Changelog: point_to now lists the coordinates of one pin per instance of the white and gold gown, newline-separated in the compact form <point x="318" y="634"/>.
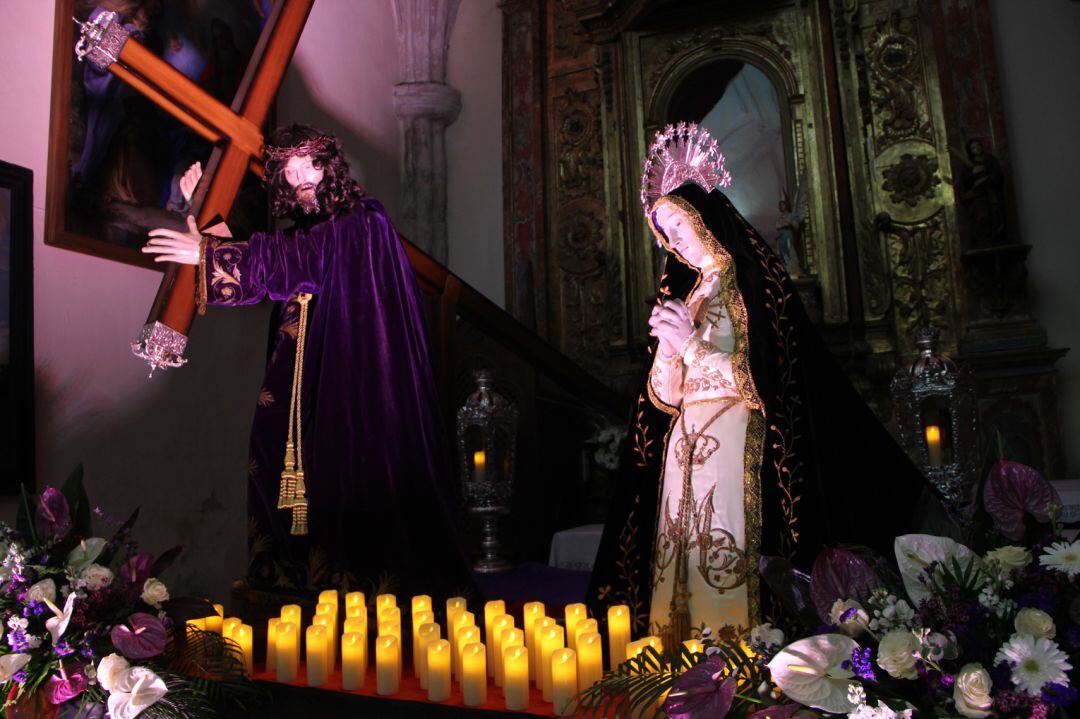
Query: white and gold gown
<point x="701" y="531"/>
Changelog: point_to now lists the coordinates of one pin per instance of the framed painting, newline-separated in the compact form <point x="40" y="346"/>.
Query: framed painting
<point x="115" y="158"/>
<point x="16" y="326"/>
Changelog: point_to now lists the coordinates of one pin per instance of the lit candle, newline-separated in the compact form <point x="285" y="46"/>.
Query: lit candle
<point x="387" y="666"/>
<point x="454" y="606"/>
<point x="533" y="612"/>
<point x="353" y="661"/>
<point x="564" y="681"/>
<point x="355" y="599"/>
<point x="462" y="619"/>
<point x="355" y="625"/>
<point x="590" y="659"/>
<point x="574" y="614"/>
<point x="474" y="674"/>
<point x="292" y="613"/>
<point x="618" y="621"/>
<point x="419" y="619"/>
<point x="500" y="623"/>
<point x="693" y="646"/>
<point x="390" y="614"/>
<point x="288" y="651"/>
<point x="438" y="669"/>
<point x="244" y="636"/>
<point x="539" y="627"/>
<point x="553" y="639"/>
<point x="635" y="648"/>
<point x="516" y="677"/>
<point x="328" y="596"/>
<point x="494" y="608"/>
<point x="271" y="644"/>
<point x="465" y="636"/>
<point x="421" y="603"/>
<point x="214" y="621"/>
<point x="428" y="633"/>
<point x="384" y="601"/>
<point x="933" y="444"/>
<point x="199" y="624"/>
<point x="317" y="653"/>
<point x="325" y="621"/>
<point x="390" y="629"/>
<point x="326" y="608"/>
<point x="509" y="637"/>
<point x="479" y="466"/>
<point x="584" y="626"/>
<point x="229" y="626"/>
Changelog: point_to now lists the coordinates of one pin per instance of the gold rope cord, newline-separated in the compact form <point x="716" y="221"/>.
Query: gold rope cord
<point x="292" y="491"/>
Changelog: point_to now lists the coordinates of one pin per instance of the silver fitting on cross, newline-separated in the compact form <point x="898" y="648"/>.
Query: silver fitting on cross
<point x="161" y="346"/>
<point x="101" y="39"/>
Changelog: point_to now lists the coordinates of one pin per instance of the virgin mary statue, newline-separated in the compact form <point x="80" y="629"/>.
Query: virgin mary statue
<point x="748" y="439"/>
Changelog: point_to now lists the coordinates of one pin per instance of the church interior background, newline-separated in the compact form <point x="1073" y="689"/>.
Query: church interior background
<point x="541" y="270"/>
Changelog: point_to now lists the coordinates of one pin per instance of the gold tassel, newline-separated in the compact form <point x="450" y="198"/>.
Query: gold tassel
<point x="300" y="507"/>
<point x="287" y="491"/>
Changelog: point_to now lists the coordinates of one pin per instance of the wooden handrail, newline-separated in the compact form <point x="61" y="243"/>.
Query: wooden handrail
<point x="458" y="298"/>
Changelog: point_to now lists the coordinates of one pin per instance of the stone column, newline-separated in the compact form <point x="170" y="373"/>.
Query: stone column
<point x="425" y="105"/>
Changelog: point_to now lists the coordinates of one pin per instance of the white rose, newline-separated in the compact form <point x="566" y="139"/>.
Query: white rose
<point x="1010" y="557"/>
<point x="971" y="692"/>
<point x="154" y="592"/>
<point x="112" y="670"/>
<point x="897" y="652"/>
<point x="855" y="624"/>
<point x="96" y="577"/>
<point x="766" y="635"/>
<point x="1035" y="622"/>
<point x="45" y="589"/>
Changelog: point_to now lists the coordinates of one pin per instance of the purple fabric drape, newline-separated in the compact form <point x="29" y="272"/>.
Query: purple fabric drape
<point x="382" y="502"/>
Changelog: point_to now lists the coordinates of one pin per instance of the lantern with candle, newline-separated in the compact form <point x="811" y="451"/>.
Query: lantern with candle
<point x="486" y="440"/>
<point x="936" y="411"/>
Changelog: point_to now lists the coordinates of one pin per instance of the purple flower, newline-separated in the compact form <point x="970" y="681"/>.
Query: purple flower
<point x="701" y="692"/>
<point x="137" y="569"/>
<point x="63" y="648"/>
<point x="1060" y="695"/>
<point x="1013" y="490"/>
<point x="1044" y="598"/>
<point x="68" y="685"/>
<point x="53" y="517"/>
<point x="20" y="676"/>
<point x="145" y="637"/>
<point x="861" y="665"/>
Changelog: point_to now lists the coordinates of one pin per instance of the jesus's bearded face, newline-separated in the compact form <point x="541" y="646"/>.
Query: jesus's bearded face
<point x="304" y="175"/>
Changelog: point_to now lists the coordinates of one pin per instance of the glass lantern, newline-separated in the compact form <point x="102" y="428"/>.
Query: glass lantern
<point x="486" y="439"/>
<point x="936" y="415"/>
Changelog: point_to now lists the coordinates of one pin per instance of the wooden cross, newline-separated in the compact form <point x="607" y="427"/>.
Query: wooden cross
<point x="235" y="132"/>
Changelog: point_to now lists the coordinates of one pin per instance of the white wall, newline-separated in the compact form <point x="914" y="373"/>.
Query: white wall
<point x="1038" y="45"/>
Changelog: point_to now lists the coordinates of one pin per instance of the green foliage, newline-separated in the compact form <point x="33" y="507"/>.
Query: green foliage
<point x="78" y="503"/>
<point x="212" y="666"/>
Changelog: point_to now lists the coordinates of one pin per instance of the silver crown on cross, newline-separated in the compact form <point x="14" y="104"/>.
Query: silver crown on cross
<point x="682" y="153"/>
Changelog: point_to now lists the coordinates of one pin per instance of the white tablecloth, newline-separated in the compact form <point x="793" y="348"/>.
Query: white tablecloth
<point x="576" y="548"/>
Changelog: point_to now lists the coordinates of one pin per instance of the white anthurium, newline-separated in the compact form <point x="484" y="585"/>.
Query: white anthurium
<point x="810" y="672"/>
<point x="85" y="554"/>
<point x="111" y="671"/>
<point x="45" y="589"/>
<point x="10" y="664"/>
<point x="135" y="691"/>
<point x="58" y="623"/>
<point x="916" y="552"/>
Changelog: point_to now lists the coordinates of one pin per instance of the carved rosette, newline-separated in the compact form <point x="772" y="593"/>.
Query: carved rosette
<point x="912" y="179"/>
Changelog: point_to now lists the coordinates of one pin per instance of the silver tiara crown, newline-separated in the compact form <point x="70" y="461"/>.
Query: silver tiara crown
<point x="679" y="154"/>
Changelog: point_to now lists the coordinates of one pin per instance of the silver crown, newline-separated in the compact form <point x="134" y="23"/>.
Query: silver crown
<point x="682" y="153"/>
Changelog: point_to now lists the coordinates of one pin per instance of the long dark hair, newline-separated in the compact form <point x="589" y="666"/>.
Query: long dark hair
<point x="336" y="192"/>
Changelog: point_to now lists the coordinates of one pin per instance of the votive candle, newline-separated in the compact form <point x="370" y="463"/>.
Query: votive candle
<point x="271" y="643"/>
<point x="214" y="621"/>
<point x="428" y="633"/>
<point x="317" y="654"/>
<point x="498" y="624"/>
<point x="465" y="635"/>
<point x="618" y="618"/>
<point x="564" y="681"/>
<point x="229" y="626"/>
<point x="438" y="660"/>
<point x="292" y="613"/>
<point x="419" y="619"/>
<point x="516" y="677"/>
<point x="474" y="676"/>
<point x="494" y="608"/>
<point x="384" y="601"/>
<point x="574" y="614"/>
<point x="539" y="627"/>
<point x="553" y="639"/>
<point x="288" y="651"/>
<point x="244" y="636"/>
<point x="353" y="660"/>
<point x="387" y="665"/>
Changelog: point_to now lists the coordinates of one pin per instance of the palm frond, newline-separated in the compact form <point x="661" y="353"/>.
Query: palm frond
<point x="213" y="666"/>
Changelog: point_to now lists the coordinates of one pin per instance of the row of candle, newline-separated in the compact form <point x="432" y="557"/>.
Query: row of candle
<point x="231" y="628"/>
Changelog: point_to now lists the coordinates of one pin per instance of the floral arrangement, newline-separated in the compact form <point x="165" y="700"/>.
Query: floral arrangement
<point x="86" y="625"/>
<point x="989" y="627"/>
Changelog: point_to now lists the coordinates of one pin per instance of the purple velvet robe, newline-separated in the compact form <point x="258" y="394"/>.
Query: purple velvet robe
<point x="374" y="447"/>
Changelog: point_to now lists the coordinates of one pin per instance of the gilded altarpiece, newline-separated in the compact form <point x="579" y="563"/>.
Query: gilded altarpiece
<point x="879" y="100"/>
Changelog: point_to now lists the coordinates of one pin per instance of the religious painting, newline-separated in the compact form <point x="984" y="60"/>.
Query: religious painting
<point x="116" y="158"/>
<point x="16" y="330"/>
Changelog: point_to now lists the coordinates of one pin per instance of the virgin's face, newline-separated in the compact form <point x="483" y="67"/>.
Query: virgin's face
<point x="681" y="234"/>
<point x="302" y="174"/>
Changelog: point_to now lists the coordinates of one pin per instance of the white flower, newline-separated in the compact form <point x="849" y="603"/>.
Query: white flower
<point x="810" y="671"/>
<point x="154" y="592"/>
<point x="1063" y="556"/>
<point x="893" y="613"/>
<point x="11" y="663"/>
<point x="1009" y="558"/>
<point x="57" y="625"/>
<point x="916" y="552"/>
<point x="110" y="669"/>
<point x="766" y="635"/>
<point x="1035" y="662"/>
<point x="1034" y="622"/>
<point x="96" y="577"/>
<point x="135" y="691"/>
<point x="45" y="589"/>
<point x="897" y="652"/>
<point x="971" y="692"/>
<point x="857" y="621"/>
<point x="17" y="622"/>
<point x="84" y="555"/>
<point x="881" y="711"/>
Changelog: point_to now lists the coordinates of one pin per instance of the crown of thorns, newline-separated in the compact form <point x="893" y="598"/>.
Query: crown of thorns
<point x="307" y="147"/>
